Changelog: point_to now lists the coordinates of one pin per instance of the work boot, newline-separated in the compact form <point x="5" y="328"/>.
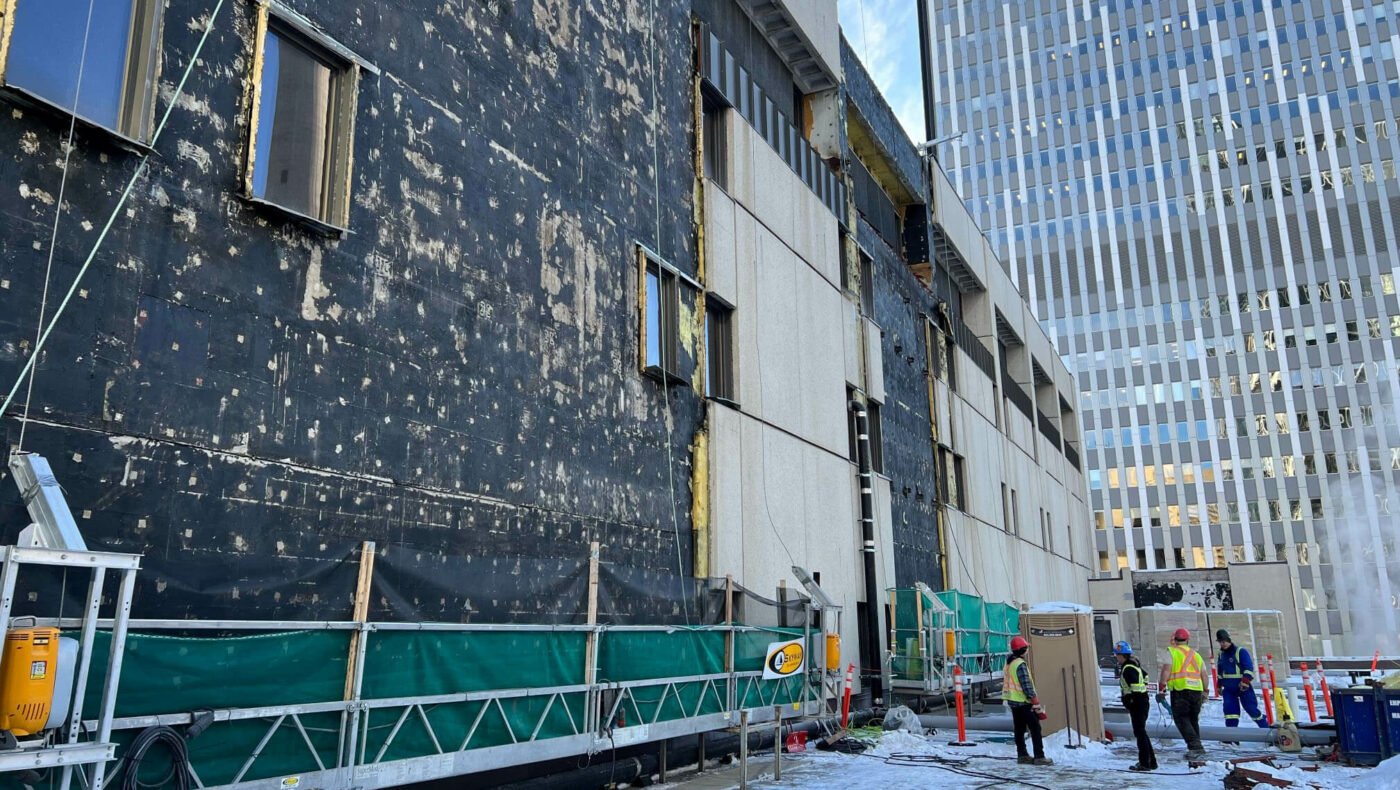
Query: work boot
<point x="1024" y="759"/>
<point x="1141" y="767"/>
<point x="1042" y="761"/>
<point x="1196" y="754"/>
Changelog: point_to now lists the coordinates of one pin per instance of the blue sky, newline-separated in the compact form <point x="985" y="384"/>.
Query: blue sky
<point x="885" y="36"/>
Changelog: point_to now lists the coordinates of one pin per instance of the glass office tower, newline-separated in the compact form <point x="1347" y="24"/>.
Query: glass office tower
<point x="1200" y="200"/>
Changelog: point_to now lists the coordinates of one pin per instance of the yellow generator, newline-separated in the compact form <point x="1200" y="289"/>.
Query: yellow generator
<point x="28" y="672"/>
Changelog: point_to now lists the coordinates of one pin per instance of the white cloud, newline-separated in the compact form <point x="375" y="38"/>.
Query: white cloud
<point x="885" y="36"/>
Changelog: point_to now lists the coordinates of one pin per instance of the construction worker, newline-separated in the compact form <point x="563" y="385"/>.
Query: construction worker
<point x="1184" y="676"/>
<point x="1132" y="685"/>
<point x="1018" y="691"/>
<point x="1235" y="666"/>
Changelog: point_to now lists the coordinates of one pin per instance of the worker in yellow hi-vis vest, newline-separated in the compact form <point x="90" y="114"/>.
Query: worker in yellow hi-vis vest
<point x="1184" y="675"/>
<point x="1018" y="691"/>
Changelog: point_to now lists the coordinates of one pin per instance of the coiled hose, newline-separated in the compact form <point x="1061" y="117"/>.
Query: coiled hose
<point x="178" y="777"/>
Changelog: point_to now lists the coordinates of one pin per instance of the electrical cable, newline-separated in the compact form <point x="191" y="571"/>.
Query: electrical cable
<point x="952" y="766"/>
<point x="665" y="385"/>
<point x="763" y="455"/>
<point x="179" y="773"/>
<point x="57" y="215"/>
<point x="963" y="562"/>
<point x="30" y="364"/>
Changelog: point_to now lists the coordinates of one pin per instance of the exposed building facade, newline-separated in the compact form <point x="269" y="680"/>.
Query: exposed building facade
<point x="1198" y="200"/>
<point x="486" y="283"/>
<point x="828" y="288"/>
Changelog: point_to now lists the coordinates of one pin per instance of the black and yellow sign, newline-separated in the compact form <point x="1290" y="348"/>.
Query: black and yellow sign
<point x="785" y="659"/>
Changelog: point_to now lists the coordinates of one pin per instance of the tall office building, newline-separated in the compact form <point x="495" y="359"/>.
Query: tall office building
<point x="1200" y="200"/>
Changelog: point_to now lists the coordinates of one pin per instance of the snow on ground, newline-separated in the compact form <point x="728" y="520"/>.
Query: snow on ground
<point x="903" y="761"/>
<point x="1054" y="607"/>
<point x="1212" y="712"/>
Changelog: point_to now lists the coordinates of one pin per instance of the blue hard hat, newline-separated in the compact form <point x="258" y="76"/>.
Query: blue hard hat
<point x="1123" y="649"/>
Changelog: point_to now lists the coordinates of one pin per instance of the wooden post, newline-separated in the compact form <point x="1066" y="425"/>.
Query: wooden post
<point x="729" y="621"/>
<point x="591" y="648"/>
<point x="782" y="603"/>
<point x="361" y="614"/>
<point x="590" y="645"/>
<point x="729" y="638"/>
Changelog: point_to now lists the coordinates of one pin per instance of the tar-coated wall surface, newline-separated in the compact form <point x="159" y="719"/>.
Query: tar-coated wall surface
<point x="244" y="401"/>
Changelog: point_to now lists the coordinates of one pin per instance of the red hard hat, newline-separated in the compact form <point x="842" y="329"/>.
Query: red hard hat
<point x="1182" y="635"/>
<point x="1017" y="643"/>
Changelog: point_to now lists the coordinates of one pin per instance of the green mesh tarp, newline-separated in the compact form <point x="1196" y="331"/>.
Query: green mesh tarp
<point x="1003" y="618"/>
<point x="643" y="655"/>
<point x="967" y="608"/>
<point x="984" y="630"/>
<point x="165" y="674"/>
<point x="427" y="663"/>
<point x="909" y="662"/>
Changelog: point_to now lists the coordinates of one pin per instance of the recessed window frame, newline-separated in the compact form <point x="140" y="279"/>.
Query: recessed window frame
<point x="714" y="135"/>
<point x="668" y="303"/>
<point x="347" y="68"/>
<point x="721" y="381"/>
<point x="141" y="72"/>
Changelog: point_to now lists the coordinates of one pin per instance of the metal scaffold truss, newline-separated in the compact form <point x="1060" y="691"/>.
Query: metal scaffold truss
<point x="389" y="741"/>
<point x="359" y="704"/>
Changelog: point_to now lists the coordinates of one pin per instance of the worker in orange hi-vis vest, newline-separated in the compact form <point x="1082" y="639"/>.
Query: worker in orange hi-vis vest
<point x="1184" y="676"/>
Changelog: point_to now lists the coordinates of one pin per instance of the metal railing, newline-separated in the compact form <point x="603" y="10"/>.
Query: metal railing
<point x="1048" y="429"/>
<point x="1017" y="396"/>
<point x="600" y="716"/>
<point x="75" y="749"/>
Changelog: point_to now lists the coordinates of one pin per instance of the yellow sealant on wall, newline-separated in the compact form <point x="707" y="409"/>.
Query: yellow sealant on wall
<point x="700" y="500"/>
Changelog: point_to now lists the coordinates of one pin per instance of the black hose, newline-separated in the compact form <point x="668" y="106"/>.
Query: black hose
<point x="177" y="777"/>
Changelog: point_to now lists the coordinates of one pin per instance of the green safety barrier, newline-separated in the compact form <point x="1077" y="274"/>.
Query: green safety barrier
<point x="426" y="663"/>
<point x="169" y="674"/>
<point x="643" y="655"/>
<point x="164" y="674"/>
<point x="983" y="630"/>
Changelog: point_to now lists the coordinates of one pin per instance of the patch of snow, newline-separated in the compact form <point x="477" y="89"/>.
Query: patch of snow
<point x="1093" y="767"/>
<point x="901" y="742"/>
<point x="1387" y="774"/>
<point x="1058" y="607"/>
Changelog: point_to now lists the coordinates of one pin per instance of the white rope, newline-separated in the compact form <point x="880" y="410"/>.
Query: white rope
<point x="57" y="215"/>
<point x="665" y="385"/>
<point x="116" y="211"/>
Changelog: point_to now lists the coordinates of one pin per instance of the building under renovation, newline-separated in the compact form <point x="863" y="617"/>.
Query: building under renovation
<point x="484" y="284"/>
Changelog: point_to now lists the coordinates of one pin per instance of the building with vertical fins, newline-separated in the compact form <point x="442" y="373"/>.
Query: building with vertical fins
<point x="1199" y="202"/>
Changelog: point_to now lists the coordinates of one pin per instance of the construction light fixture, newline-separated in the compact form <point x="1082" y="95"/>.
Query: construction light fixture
<point x="819" y="596"/>
<point x="930" y="147"/>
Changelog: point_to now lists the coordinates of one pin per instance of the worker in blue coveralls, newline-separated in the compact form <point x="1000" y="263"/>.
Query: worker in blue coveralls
<point x="1235" y="667"/>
